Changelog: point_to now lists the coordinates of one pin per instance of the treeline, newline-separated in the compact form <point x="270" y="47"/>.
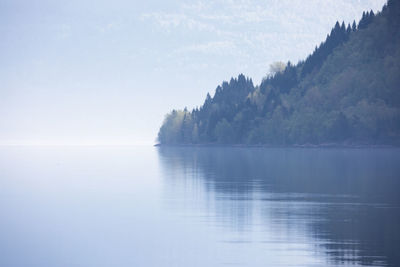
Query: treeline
<point x="346" y="91"/>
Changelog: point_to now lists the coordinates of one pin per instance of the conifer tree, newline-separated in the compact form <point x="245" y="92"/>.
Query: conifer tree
<point x="354" y="26"/>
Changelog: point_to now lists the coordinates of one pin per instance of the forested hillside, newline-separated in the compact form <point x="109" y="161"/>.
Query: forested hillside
<point x="346" y="92"/>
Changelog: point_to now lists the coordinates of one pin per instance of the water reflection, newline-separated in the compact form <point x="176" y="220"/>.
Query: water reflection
<point x="338" y="204"/>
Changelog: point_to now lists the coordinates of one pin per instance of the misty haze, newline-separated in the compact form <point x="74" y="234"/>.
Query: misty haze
<point x="200" y="133"/>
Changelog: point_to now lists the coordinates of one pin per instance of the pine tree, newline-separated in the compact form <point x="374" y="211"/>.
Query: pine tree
<point x="362" y="23"/>
<point x="354" y="26"/>
<point x="348" y="30"/>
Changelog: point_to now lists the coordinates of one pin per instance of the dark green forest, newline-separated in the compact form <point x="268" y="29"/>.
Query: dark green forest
<point x="346" y="92"/>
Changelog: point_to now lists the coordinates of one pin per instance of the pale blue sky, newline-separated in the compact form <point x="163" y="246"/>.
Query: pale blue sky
<point x="106" y="72"/>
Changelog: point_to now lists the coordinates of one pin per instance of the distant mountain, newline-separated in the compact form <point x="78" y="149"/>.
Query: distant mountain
<point x="346" y="92"/>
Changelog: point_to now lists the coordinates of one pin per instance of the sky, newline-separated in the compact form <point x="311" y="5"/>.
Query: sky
<point x="102" y="72"/>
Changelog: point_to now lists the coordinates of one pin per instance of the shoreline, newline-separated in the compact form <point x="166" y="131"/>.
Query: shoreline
<point x="327" y="145"/>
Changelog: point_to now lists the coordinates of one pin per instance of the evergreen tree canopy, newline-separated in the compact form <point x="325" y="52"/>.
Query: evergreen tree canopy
<point x="346" y="91"/>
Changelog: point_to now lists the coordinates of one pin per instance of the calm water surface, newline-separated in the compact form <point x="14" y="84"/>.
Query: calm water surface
<point x="146" y="206"/>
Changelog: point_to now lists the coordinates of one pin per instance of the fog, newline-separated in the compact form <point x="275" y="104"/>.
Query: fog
<point x="100" y="72"/>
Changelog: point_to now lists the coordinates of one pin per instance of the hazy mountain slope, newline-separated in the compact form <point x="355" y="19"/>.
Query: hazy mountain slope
<point x="346" y="91"/>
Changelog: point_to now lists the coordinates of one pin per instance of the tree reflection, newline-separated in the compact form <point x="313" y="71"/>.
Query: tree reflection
<point x="346" y="199"/>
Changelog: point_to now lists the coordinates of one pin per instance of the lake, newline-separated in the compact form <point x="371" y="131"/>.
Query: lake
<point x="199" y="206"/>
